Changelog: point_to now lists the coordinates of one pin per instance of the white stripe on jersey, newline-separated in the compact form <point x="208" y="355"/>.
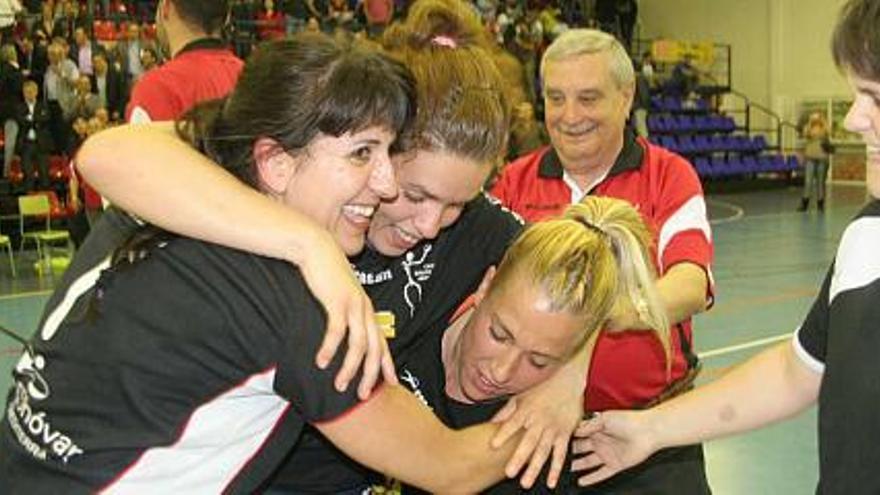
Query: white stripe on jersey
<point x="856" y="264"/>
<point x="805" y="357"/>
<point x="689" y="216"/>
<point x="85" y="282"/>
<point x="219" y="439"/>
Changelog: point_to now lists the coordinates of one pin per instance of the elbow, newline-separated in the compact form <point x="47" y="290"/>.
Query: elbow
<point x="92" y="155"/>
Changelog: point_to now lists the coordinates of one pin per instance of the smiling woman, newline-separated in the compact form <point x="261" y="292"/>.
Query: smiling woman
<point x="203" y="355"/>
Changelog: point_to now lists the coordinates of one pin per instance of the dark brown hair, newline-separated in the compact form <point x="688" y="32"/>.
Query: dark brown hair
<point x="855" y="44"/>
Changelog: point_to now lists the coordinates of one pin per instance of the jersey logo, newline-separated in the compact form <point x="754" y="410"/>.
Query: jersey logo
<point x="417" y="271"/>
<point x="412" y="382"/>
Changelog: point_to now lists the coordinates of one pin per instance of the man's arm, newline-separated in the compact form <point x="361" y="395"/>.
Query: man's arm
<point x="773" y="385"/>
<point x="682" y="291"/>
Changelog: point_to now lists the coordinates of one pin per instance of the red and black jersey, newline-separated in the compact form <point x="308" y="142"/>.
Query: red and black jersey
<point x="203" y="70"/>
<point x="665" y="189"/>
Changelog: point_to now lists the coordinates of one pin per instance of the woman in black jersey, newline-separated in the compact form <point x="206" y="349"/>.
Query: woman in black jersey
<point x="180" y="366"/>
<point x="549" y="295"/>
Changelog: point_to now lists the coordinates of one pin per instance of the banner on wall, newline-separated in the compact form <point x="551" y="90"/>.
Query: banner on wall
<point x="671" y="51"/>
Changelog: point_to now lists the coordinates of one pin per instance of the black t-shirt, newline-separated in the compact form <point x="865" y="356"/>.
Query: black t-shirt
<point x="421" y="289"/>
<point x="190" y="370"/>
<point x="424" y="375"/>
<point x="840" y="339"/>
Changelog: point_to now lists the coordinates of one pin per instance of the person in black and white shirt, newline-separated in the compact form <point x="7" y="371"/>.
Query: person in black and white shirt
<point x="832" y="358"/>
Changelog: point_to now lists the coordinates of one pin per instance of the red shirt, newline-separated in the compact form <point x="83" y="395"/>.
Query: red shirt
<point x="628" y="368"/>
<point x="271" y="26"/>
<point x="203" y="70"/>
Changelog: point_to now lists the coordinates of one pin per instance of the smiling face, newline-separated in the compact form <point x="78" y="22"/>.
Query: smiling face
<point x="585" y="110"/>
<point x="336" y="181"/>
<point x="513" y="341"/>
<point x="864" y="118"/>
<point x="434" y="187"/>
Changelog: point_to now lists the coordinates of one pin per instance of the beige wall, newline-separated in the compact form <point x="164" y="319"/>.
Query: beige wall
<point x="780" y="48"/>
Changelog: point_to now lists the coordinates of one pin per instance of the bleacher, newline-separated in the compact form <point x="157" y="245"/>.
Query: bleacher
<point x="713" y="142"/>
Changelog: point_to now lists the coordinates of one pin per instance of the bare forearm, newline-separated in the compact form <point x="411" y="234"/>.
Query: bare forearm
<point x="773" y="385"/>
<point x="161" y="179"/>
<point x="683" y="291"/>
<point x="395" y="434"/>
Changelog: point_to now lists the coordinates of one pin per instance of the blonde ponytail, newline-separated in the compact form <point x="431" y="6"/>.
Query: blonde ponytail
<point x="631" y="240"/>
<point x="593" y="257"/>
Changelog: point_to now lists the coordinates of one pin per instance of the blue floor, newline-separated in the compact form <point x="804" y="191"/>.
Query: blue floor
<point x="770" y="261"/>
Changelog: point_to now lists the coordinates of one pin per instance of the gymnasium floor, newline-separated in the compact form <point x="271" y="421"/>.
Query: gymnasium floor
<point x="769" y="263"/>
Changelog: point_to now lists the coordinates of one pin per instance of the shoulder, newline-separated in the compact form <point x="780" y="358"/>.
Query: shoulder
<point x="857" y="263"/>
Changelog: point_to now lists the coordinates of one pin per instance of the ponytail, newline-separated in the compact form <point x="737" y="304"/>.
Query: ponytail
<point x="462" y="106"/>
<point x="630" y="240"/>
<point x="597" y="255"/>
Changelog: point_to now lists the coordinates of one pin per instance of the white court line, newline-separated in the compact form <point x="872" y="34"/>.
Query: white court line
<point x="746" y="345"/>
<point x="25" y="294"/>
<point x="738" y="211"/>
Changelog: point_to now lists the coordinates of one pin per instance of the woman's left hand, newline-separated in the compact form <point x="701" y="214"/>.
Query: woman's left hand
<point x="549" y="413"/>
<point x="349" y="314"/>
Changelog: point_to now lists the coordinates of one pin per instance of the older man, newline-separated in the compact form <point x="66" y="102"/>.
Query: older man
<point x="588" y="86"/>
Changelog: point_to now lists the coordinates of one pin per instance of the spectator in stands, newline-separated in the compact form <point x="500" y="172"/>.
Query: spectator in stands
<point x="34" y="56"/>
<point x="641" y="104"/>
<point x="34" y="137"/>
<point x="109" y="85"/>
<point x="832" y="357"/>
<point x="646" y="67"/>
<point x="589" y="84"/>
<point x="84" y="102"/>
<point x="339" y="15"/>
<point x="297" y="13"/>
<point x="83" y="49"/>
<point x="47" y="18"/>
<point x="201" y="68"/>
<point x="128" y="54"/>
<point x="11" y="80"/>
<point x="378" y="14"/>
<point x="245" y="25"/>
<point x="61" y="76"/>
<point x="684" y="78"/>
<point x="270" y="22"/>
<point x="66" y="26"/>
<point x="149" y="58"/>
<point x="817" y="144"/>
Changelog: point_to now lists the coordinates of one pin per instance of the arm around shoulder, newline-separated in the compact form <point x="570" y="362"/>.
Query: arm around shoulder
<point x="395" y="434"/>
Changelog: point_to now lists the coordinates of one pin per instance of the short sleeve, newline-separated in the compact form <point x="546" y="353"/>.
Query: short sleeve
<point x="810" y="340"/>
<point x="284" y="325"/>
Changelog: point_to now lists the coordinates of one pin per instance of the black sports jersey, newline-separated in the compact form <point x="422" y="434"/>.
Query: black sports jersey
<point x="425" y="376"/>
<point x="189" y="371"/>
<point x="421" y="289"/>
<point x="840" y="339"/>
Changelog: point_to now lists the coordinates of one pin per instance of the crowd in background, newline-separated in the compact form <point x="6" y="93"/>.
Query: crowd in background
<point x="67" y="67"/>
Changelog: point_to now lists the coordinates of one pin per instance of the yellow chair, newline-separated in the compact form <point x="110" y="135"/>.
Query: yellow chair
<point x="39" y="206"/>
<point x="5" y="242"/>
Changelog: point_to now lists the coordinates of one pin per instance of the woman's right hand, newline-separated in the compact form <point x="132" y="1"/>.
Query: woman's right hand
<point x="349" y="313"/>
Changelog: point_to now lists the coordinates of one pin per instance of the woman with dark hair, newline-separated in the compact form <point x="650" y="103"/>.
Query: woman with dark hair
<point x="413" y="268"/>
<point x="179" y="366"/>
<point x="831" y="359"/>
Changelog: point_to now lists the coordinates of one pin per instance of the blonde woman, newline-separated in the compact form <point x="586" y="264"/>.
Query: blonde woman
<point x="816" y="146"/>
